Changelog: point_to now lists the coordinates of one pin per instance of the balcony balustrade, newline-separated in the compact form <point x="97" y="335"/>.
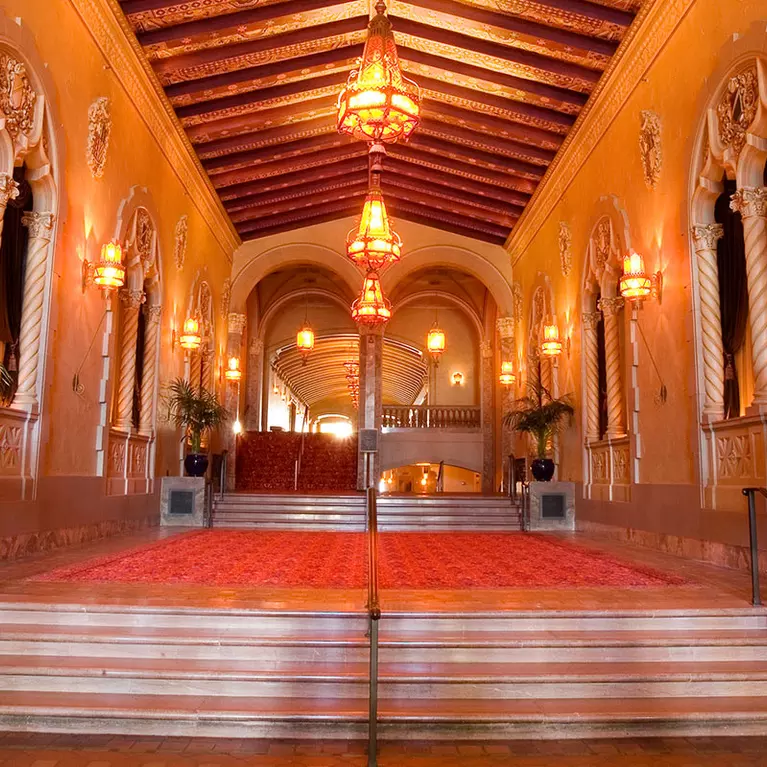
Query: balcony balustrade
<point x="432" y="417"/>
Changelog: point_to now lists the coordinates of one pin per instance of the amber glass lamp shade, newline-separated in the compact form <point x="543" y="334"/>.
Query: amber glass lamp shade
<point x="109" y="272"/>
<point x="371" y="308"/>
<point x="435" y="341"/>
<point x="373" y="244"/>
<point x="233" y="372"/>
<point x="507" y="377"/>
<point x="379" y="104"/>
<point x="305" y="340"/>
<point x="635" y="284"/>
<point x="190" y="337"/>
<point x="551" y="346"/>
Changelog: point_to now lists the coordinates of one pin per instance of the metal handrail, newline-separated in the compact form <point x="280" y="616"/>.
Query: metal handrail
<point x="374" y="615"/>
<point x="441" y="477"/>
<point x="511" y="477"/>
<point x="222" y="477"/>
<point x="750" y="493"/>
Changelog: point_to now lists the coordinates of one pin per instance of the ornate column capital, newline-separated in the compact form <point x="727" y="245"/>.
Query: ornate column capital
<point x="153" y="312"/>
<point x="750" y="202"/>
<point x="611" y="307"/>
<point x="9" y="189"/>
<point x="591" y="320"/>
<point x="40" y="225"/>
<point x="486" y="349"/>
<point x="256" y="346"/>
<point x="132" y="299"/>
<point x="706" y="236"/>
<point x="505" y="327"/>
<point x="237" y="322"/>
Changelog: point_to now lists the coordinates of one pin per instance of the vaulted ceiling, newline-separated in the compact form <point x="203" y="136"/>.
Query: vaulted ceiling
<point x="255" y="83"/>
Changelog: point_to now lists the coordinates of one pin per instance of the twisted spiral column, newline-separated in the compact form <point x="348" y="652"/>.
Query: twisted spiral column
<point x="132" y="300"/>
<point x="751" y="203"/>
<point x="149" y="377"/>
<point x="40" y="227"/>
<point x="705" y="239"/>
<point x="206" y="369"/>
<point x="616" y="410"/>
<point x="591" y="367"/>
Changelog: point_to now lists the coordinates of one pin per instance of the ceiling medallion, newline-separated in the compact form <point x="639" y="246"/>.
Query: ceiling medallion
<point x="379" y="103"/>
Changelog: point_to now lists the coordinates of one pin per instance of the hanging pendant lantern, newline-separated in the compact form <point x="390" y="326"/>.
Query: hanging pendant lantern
<point x="435" y="342"/>
<point x="379" y="103"/>
<point x="373" y="244"/>
<point x="551" y="346"/>
<point x="305" y="341"/>
<point x="507" y="377"/>
<point x="371" y="308"/>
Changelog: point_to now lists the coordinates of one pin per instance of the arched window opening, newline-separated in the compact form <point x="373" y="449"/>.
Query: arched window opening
<point x="733" y="298"/>
<point x="13" y="259"/>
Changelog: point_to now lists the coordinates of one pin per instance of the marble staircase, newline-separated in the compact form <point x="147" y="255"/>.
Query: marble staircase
<point x="249" y="673"/>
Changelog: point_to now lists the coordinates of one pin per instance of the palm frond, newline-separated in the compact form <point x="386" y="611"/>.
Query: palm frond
<point x="197" y="410"/>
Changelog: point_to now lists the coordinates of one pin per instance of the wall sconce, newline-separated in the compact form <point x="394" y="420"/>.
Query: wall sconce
<point x="190" y="338"/>
<point x="237" y="427"/>
<point x="551" y="346"/>
<point x="635" y="284"/>
<point x="233" y="372"/>
<point x="108" y="273"/>
<point x="457" y="379"/>
<point x="507" y="377"/>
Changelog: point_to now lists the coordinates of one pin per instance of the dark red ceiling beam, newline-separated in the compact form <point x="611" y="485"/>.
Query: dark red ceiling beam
<point x="591" y="10"/>
<point x="277" y="227"/>
<point x="297" y="218"/>
<point x="222" y="21"/>
<point x="495" y="50"/>
<point x="437" y="220"/>
<point x="236" y="197"/>
<point x="263" y="95"/>
<point x="519" y="26"/>
<point x="268" y="43"/>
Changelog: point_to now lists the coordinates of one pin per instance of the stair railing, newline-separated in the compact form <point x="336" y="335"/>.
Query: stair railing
<point x="750" y="493"/>
<point x="441" y="477"/>
<point x="374" y="616"/>
<point x="511" y="478"/>
<point x="222" y="475"/>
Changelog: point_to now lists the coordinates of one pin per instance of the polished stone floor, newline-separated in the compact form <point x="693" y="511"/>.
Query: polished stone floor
<point x="26" y="750"/>
<point x="707" y="587"/>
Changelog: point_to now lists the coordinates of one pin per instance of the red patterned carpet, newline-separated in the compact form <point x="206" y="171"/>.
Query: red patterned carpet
<point x="339" y="560"/>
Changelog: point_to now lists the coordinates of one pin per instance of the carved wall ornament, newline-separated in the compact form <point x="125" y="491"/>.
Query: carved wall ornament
<point x="565" y="248"/>
<point x="737" y="109"/>
<point x="17" y="97"/>
<point x="180" y="239"/>
<point x="9" y="189"/>
<point x="226" y="297"/>
<point x="603" y="242"/>
<point x="650" y="147"/>
<point x="735" y="457"/>
<point x="505" y="326"/>
<point x="486" y="349"/>
<point x="237" y="323"/>
<point x="600" y="468"/>
<point x="516" y="292"/>
<point x="621" y="462"/>
<point x="99" y="131"/>
<point x="145" y="237"/>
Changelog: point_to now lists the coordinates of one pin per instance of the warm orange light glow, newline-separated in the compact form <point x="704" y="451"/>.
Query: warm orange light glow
<point x="371" y="308"/>
<point x="305" y="340"/>
<point x="109" y="272"/>
<point x="233" y="372"/>
<point x="507" y="377"/>
<point x="191" y="339"/>
<point x="635" y="284"/>
<point x="551" y="346"/>
<point x="435" y="341"/>
<point x="457" y="379"/>
<point x="378" y="102"/>
<point x="373" y="244"/>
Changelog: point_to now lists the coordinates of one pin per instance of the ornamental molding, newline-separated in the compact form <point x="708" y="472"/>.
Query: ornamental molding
<point x="706" y="236"/>
<point x="612" y="306"/>
<point x="591" y="320"/>
<point x="647" y="36"/>
<point x="565" y="248"/>
<point x="516" y="292"/>
<point x="116" y="40"/>
<point x="650" y="147"/>
<point x="9" y="189"/>
<point x="17" y="97"/>
<point x="737" y="109"/>
<point x="237" y="323"/>
<point x="505" y="327"/>
<point x="226" y="297"/>
<point x="750" y="202"/>
<point x="99" y="132"/>
<point x="40" y="225"/>
<point x="179" y="243"/>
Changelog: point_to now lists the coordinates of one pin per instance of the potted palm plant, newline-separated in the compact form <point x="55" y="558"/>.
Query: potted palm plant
<point x="542" y="416"/>
<point x="197" y="411"/>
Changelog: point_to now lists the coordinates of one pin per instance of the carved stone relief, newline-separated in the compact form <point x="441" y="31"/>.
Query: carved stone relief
<point x="516" y="291"/>
<point x="10" y="446"/>
<point x="565" y="248"/>
<point x="737" y="109"/>
<point x="226" y="297"/>
<point x="99" y="131"/>
<point x="600" y="466"/>
<point x="17" y="98"/>
<point x="735" y="457"/>
<point x="650" y="147"/>
<point x="180" y="239"/>
<point x="603" y="241"/>
<point x="621" y="465"/>
<point x="144" y="242"/>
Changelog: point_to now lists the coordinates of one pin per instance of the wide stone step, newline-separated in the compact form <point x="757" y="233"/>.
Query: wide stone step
<point x="187" y="715"/>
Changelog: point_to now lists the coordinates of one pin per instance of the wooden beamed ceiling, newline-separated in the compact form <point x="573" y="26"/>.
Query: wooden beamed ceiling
<point x="255" y="83"/>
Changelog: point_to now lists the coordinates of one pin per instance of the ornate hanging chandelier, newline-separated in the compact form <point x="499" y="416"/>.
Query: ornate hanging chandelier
<point x="373" y="244"/>
<point x="371" y="308"/>
<point x="379" y="103"/>
<point x="305" y="341"/>
<point x="435" y="342"/>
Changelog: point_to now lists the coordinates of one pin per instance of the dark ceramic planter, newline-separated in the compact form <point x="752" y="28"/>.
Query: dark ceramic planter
<point x="543" y="469"/>
<point x="196" y="464"/>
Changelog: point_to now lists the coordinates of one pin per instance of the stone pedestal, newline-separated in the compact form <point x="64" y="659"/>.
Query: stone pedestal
<point x="548" y="498"/>
<point x="186" y="507"/>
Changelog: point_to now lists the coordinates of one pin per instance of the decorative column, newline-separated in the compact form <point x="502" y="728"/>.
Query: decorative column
<point x="152" y="316"/>
<point x="751" y="203"/>
<point x="616" y="407"/>
<point x="705" y="239"/>
<point x="255" y="374"/>
<point x="236" y="323"/>
<point x="506" y="331"/>
<point x="132" y="300"/>
<point x="370" y="412"/>
<point x="591" y="372"/>
<point x="40" y="226"/>
<point x="207" y="361"/>
<point x="487" y="410"/>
